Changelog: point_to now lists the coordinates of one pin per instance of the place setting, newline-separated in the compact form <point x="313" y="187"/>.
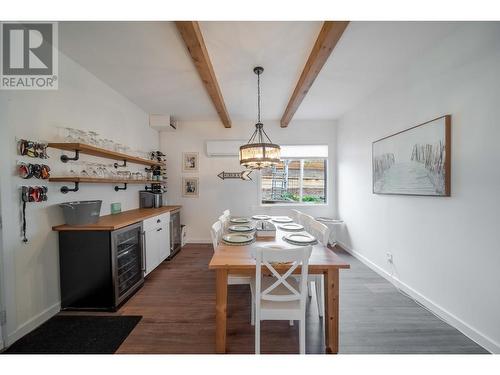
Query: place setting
<point x="240" y="220"/>
<point x="241" y="228"/>
<point x="291" y="227"/>
<point x="238" y="239"/>
<point x="300" y="239"/>
<point x="261" y="217"/>
<point x="282" y="219"/>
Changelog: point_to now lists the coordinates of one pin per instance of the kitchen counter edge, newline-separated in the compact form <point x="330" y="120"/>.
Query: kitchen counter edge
<point x="117" y="221"/>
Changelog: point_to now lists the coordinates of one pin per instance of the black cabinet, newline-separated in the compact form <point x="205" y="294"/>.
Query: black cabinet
<point x="100" y="269"/>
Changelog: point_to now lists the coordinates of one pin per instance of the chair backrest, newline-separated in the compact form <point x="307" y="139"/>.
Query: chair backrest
<point x="216" y="233"/>
<point x="306" y="220"/>
<point x="227" y="213"/>
<point x="269" y="256"/>
<point x="295" y="215"/>
<point x="224" y="220"/>
<point x="320" y="231"/>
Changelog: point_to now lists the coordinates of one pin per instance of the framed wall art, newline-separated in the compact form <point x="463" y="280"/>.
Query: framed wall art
<point x="190" y="187"/>
<point x="190" y="161"/>
<point x="415" y="161"/>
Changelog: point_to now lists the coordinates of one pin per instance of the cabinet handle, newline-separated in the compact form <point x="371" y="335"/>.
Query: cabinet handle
<point x="143" y="234"/>
<point x="171" y="227"/>
<point x="159" y="229"/>
<point x="158" y="221"/>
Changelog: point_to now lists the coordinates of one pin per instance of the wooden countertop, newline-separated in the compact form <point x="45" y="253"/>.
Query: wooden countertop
<point x="117" y="221"/>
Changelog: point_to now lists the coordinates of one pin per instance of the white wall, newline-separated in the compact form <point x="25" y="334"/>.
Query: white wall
<point x="82" y="101"/>
<point x="446" y="250"/>
<point x="241" y="197"/>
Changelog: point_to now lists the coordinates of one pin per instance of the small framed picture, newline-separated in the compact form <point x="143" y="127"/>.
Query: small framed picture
<point x="190" y="162"/>
<point x="190" y="187"/>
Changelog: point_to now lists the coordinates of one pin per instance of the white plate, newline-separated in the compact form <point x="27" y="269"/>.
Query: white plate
<point x="282" y="219"/>
<point x="291" y="226"/>
<point x="261" y="217"/>
<point x="241" y="228"/>
<point x="240" y="220"/>
<point x="237" y="237"/>
<point x="300" y="238"/>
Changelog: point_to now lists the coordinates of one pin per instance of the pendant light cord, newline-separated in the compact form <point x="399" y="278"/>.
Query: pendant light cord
<point x="258" y="96"/>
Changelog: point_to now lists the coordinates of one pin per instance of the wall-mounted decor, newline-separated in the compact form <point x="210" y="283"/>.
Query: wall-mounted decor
<point x="245" y="175"/>
<point x="190" y="162"/>
<point x="190" y="187"/>
<point x="415" y="161"/>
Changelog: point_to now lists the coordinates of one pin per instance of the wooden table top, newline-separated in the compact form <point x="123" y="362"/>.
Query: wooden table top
<point x="240" y="257"/>
<point x="121" y="220"/>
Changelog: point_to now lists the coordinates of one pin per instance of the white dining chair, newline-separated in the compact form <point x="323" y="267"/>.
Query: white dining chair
<point x="224" y="220"/>
<point x="227" y="213"/>
<point x="322" y="234"/>
<point x="320" y="231"/>
<point x="281" y="296"/>
<point x="305" y="220"/>
<point x="216" y="232"/>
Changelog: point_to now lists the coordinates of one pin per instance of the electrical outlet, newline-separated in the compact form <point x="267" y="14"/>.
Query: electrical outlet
<point x="388" y="256"/>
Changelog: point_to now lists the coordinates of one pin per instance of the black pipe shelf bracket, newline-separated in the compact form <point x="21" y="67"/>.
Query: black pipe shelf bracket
<point x="66" y="190"/>
<point x="66" y="158"/>
<point x="117" y="188"/>
<point x="121" y="165"/>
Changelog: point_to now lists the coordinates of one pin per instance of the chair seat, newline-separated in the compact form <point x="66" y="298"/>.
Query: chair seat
<point x="279" y="290"/>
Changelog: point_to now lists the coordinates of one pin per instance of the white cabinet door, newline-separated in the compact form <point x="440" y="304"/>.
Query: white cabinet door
<point x="157" y="240"/>
<point x="164" y="237"/>
<point x="151" y="250"/>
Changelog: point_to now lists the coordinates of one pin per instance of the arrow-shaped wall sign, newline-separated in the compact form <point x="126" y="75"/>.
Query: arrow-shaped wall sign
<point x="245" y="175"/>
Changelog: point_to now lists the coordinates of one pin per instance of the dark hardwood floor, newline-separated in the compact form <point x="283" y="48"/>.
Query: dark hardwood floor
<point x="177" y="303"/>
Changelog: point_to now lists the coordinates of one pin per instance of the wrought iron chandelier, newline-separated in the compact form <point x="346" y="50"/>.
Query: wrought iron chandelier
<point x="259" y="152"/>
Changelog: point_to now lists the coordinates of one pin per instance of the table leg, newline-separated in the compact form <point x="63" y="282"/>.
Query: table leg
<point x="220" y="310"/>
<point x="331" y="319"/>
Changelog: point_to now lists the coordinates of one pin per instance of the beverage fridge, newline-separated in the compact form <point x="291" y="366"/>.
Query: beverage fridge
<point x="99" y="270"/>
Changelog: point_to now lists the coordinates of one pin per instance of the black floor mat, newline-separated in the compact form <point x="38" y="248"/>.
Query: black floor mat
<point x="76" y="334"/>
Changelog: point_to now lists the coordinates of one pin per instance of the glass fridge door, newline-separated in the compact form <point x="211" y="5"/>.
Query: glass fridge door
<point x="128" y="260"/>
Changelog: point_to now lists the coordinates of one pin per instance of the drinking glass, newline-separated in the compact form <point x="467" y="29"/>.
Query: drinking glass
<point x="93" y="138"/>
<point x="71" y="135"/>
<point x="108" y="144"/>
<point x="119" y="147"/>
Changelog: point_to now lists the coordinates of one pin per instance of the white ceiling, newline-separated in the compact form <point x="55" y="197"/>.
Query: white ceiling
<point x="367" y="54"/>
<point x="281" y="48"/>
<point x="148" y="63"/>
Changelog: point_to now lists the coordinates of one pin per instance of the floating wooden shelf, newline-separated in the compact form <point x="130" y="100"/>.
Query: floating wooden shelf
<point x="97" y="180"/>
<point x="101" y="152"/>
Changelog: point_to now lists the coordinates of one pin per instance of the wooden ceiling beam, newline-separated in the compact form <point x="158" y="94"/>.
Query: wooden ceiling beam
<point x="193" y="39"/>
<point x="325" y="43"/>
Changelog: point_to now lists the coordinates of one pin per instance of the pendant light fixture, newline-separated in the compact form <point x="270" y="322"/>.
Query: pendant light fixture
<point x="259" y="152"/>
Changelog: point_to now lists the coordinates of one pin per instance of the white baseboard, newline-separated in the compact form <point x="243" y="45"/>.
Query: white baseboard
<point x="33" y="323"/>
<point x="437" y="310"/>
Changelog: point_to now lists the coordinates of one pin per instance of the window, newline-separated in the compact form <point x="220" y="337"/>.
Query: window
<point x="299" y="179"/>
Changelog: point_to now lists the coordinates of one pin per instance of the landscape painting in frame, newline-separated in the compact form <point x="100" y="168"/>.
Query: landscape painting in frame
<point x="415" y="161"/>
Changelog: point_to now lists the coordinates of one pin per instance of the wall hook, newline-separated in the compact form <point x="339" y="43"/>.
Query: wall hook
<point x="66" y="158"/>
<point x="117" y="188"/>
<point x="66" y="189"/>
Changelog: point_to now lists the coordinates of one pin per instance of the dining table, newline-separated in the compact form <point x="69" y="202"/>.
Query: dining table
<point x="229" y="259"/>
